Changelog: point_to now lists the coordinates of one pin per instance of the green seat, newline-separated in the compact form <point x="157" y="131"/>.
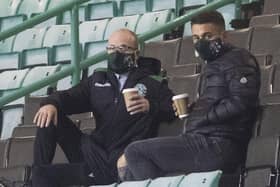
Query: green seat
<point x="117" y="23"/>
<point x="7" y="44"/>
<point x="189" y="3"/>
<point x="153" y="20"/>
<point x="11" y="21"/>
<point x="202" y="179"/>
<point x="66" y="16"/>
<point x="57" y="35"/>
<point x="9" y="61"/>
<point x="35" y="57"/>
<point x="156" y="5"/>
<point x="167" y="181"/>
<point x="65" y="83"/>
<point x="131" y="7"/>
<point x="144" y="183"/>
<point x="100" y="10"/>
<point x="91" y="31"/>
<point x="28" y="7"/>
<point x="92" y="49"/>
<point x="38" y="73"/>
<point x="8" y="7"/>
<point x="29" y="39"/>
<point x="228" y="13"/>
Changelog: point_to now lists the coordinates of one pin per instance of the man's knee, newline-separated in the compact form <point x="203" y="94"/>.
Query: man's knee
<point x="134" y="150"/>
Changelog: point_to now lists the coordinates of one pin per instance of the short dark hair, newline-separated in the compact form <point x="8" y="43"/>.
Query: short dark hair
<point x="213" y="17"/>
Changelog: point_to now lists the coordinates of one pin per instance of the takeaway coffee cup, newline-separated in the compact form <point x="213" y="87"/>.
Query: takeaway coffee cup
<point x="181" y="103"/>
<point x="128" y="93"/>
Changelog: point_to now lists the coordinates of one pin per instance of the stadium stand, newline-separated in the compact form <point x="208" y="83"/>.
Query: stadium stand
<point x="45" y="49"/>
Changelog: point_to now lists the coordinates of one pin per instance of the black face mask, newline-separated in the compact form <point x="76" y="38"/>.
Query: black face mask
<point x="120" y="62"/>
<point x="210" y="49"/>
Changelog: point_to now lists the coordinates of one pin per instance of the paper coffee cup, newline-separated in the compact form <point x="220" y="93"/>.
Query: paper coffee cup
<point x="128" y="93"/>
<point x="181" y="103"/>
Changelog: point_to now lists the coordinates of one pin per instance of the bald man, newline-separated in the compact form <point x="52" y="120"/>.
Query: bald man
<point x="93" y="158"/>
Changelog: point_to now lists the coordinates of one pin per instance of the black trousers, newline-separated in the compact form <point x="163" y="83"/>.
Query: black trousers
<point x="78" y="171"/>
<point x="183" y="154"/>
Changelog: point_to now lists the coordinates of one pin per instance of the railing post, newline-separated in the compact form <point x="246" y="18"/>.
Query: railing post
<point x="75" y="45"/>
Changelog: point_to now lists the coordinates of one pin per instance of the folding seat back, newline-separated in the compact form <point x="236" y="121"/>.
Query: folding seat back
<point x="117" y="23"/>
<point x="132" y="7"/>
<point x="7" y="45"/>
<point x="271" y="7"/>
<point x="187" y="53"/>
<point x="57" y="35"/>
<point x="202" y="179"/>
<point x="144" y="183"/>
<point x="265" y="40"/>
<point x="28" y="39"/>
<point x="11" y="80"/>
<point x="24" y="131"/>
<point x="276" y="79"/>
<point x="265" y="20"/>
<point x="184" y="70"/>
<point x="240" y="38"/>
<point x="264" y="60"/>
<point x="270" y="99"/>
<point x="156" y="5"/>
<point x="260" y="178"/>
<point x="93" y="48"/>
<point x="269" y="121"/>
<point x="100" y="10"/>
<point x="11" y="118"/>
<point x="166" y="51"/>
<point x="266" y="80"/>
<point x="3" y="153"/>
<point x="189" y="3"/>
<point x="185" y="84"/>
<point x="11" y="21"/>
<point x="29" y="7"/>
<point x="91" y="31"/>
<point x="166" y="181"/>
<point x="152" y="20"/>
<point x="65" y="83"/>
<point x="263" y="151"/>
<point x="9" y="7"/>
<point x="228" y="13"/>
<point x="38" y="73"/>
<point x="31" y="106"/>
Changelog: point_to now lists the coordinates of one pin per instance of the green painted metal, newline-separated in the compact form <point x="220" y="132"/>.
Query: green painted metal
<point x="75" y="45"/>
<point x="100" y="56"/>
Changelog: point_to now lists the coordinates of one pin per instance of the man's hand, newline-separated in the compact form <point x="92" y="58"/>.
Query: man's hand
<point x="45" y="115"/>
<point x="138" y="104"/>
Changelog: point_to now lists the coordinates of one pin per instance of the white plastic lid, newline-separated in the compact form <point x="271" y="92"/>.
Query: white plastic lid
<point x="130" y="90"/>
<point x="180" y="96"/>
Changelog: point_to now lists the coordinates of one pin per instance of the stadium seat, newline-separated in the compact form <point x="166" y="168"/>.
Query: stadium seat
<point x="88" y="124"/>
<point x="144" y="183"/>
<point x="228" y="13"/>
<point x="65" y="83"/>
<point x="28" y="7"/>
<point x="152" y="20"/>
<point x="9" y="61"/>
<point x="117" y="23"/>
<point x="132" y="7"/>
<point x="185" y="84"/>
<point x="166" y="181"/>
<point x="271" y="7"/>
<point x="189" y="3"/>
<point x="31" y="106"/>
<point x="166" y="51"/>
<point x="265" y="40"/>
<point x="276" y="79"/>
<point x="57" y="35"/>
<point x="9" y="7"/>
<point x="265" y="20"/>
<point x="91" y="31"/>
<point x="260" y="178"/>
<point x="184" y="70"/>
<point x="11" y="118"/>
<point x="92" y="49"/>
<point x="29" y="39"/>
<point x="156" y="5"/>
<point x="11" y="21"/>
<point x="273" y="98"/>
<point x="268" y="125"/>
<point x="38" y="73"/>
<point x="35" y="57"/>
<point x="202" y="179"/>
<point x="266" y="80"/>
<point x="19" y="174"/>
<point x="101" y="10"/>
<point x="11" y="80"/>
<point x="263" y="152"/>
<point x="264" y="60"/>
<point x="187" y="53"/>
<point x="6" y="45"/>
<point x="24" y="131"/>
<point x="3" y="153"/>
<point x="240" y="38"/>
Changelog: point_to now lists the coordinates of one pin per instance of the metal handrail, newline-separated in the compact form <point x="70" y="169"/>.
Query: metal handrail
<point x="98" y="57"/>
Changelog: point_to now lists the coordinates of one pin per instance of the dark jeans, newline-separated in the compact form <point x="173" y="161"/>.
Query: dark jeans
<point x="180" y="154"/>
<point x="69" y="137"/>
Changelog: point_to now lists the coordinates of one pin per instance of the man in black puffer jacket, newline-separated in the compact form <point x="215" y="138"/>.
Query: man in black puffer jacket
<point x="219" y="125"/>
<point x="94" y="157"/>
